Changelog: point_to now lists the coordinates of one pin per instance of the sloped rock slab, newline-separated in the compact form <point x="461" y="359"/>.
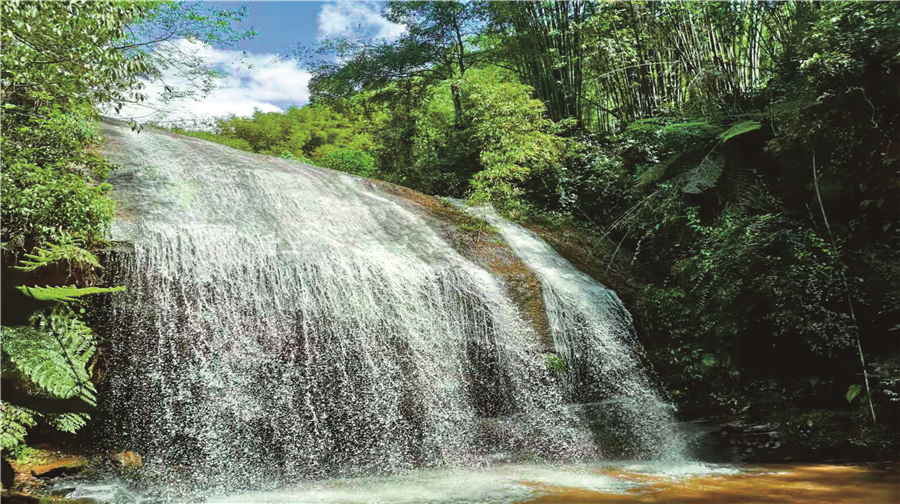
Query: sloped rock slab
<point x="64" y="467"/>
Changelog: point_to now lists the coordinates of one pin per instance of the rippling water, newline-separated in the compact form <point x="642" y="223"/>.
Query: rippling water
<point x="695" y="483"/>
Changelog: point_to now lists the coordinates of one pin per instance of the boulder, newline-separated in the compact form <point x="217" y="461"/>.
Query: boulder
<point x="128" y="460"/>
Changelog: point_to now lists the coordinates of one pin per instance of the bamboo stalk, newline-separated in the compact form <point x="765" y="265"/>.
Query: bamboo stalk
<point x="862" y="359"/>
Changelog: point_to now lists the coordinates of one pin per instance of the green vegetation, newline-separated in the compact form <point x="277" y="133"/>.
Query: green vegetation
<point x="349" y="160"/>
<point x="60" y="60"/>
<point x="53" y="354"/>
<point x="743" y="154"/>
<point x="314" y="135"/>
<point x="555" y="363"/>
<point x="50" y="357"/>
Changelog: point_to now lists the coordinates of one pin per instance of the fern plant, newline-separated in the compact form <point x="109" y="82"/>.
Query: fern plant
<point x="16" y="421"/>
<point x="739" y="129"/>
<point x="853" y="392"/>
<point x="80" y="262"/>
<point x="74" y="256"/>
<point x="52" y="353"/>
<point x="64" y="293"/>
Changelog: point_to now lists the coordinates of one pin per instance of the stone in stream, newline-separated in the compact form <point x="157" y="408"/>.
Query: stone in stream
<point x="128" y="460"/>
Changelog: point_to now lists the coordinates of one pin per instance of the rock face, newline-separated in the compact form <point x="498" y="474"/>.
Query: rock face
<point x="747" y="442"/>
<point x="128" y="460"/>
<point x="8" y="474"/>
<point x="64" y="467"/>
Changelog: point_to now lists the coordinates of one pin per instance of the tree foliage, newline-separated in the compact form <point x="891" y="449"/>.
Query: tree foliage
<point x="435" y="47"/>
<point x="510" y="129"/>
<point x="358" y="162"/>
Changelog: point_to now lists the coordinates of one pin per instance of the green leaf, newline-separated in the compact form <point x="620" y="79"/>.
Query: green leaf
<point x="71" y="254"/>
<point x="739" y="129"/>
<point x="704" y="176"/>
<point x="15" y="421"/>
<point x="65" y="293"/>
<point x="53" y="353"/>
<point x="853" y="391"/>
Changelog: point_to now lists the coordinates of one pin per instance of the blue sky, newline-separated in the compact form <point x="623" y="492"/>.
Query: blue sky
<point x="280" y="24"/>
<point x="258" y="75"/>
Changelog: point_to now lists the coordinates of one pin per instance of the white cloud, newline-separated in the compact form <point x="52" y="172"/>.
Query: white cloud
<point x="355" y="18"/>
<point x="263" y="81"/>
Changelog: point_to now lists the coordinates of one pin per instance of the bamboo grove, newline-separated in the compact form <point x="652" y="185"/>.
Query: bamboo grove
<point x="611" y="63"/>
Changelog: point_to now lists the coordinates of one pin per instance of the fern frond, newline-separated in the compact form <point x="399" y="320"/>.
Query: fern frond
<point x="657" y="171"/>
<point x="64" y="293"/>
<point x="853" y="391"/>
<point x="76" y="257"/>
<point x="53" y="353"/>
<point x="742" y="188"/>
<point x="68" y="422"/>
<point x="704" y="176"/>
<point x="15" y="422"/>
<point x="739" y="129"/>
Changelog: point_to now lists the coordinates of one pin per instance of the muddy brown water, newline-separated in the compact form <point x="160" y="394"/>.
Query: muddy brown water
<point x="597" y="482"/>
<point x="796" y="484"/>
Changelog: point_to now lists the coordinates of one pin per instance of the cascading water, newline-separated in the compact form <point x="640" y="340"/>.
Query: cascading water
<point x="594" y="335"/>
<point x="284" y="322"/>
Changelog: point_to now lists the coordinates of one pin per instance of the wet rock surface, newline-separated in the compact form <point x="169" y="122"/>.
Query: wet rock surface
<point x="128" y="460"/>
<point x="64" y="467"/>
<point x="747" y="441"/>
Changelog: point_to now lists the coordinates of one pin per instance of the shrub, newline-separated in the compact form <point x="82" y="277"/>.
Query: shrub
<point x="355" y="161"/>
<point x="44" y="204"/>
<point x="510" y="129"/>
<point x="52" y="187"/>
<point x="234" y="143"/>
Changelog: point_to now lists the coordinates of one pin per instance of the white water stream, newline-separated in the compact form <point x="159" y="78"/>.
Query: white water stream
<point x="285" y="322"/>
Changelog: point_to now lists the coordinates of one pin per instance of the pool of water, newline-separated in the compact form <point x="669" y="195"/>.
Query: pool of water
<point x="624" y="482"/>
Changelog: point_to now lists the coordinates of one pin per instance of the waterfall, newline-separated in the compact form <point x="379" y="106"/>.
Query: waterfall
<point x="286" y="321"/>
<point x="594" y="335"/>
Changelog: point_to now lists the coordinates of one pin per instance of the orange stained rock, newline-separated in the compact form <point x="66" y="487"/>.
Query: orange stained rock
<point x="129" y="460"/>
<point x="59" y="467"/>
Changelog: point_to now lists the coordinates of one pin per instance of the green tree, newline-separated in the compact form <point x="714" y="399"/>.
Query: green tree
<point x="545" y="44"/>
<point x="435" y="47"/>
<point x="510" y="129"/>
<point x="60" y="60"/>
<point x="305" y="132"/>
